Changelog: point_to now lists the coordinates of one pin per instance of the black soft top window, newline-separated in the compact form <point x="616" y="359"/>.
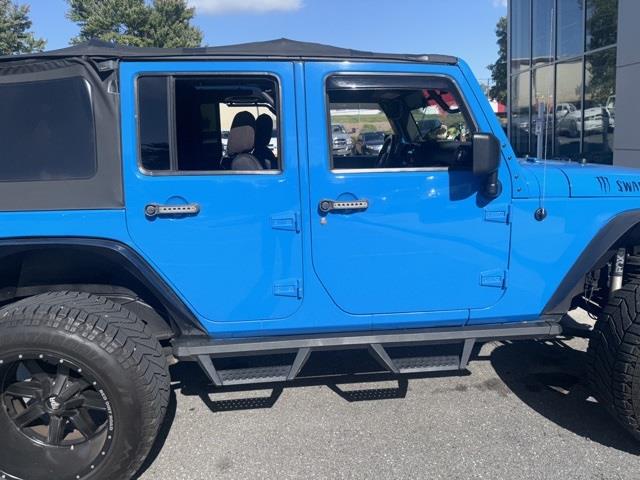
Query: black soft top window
<point x="47" y="130"/>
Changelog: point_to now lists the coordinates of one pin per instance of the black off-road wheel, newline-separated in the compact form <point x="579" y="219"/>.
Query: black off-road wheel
<point x="84" y="387"/>
<point x="614" y="357"/>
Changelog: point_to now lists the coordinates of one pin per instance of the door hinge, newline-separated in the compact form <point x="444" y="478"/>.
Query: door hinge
<point x="494" y="278"/>
<point x="291" y="287"/>
<point x="286" y="221"/>
<point x="498" y="214"/>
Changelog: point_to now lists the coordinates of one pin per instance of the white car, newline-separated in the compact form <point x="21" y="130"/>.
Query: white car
<point x="273" y="143"/>
<point x="596" y="120"/>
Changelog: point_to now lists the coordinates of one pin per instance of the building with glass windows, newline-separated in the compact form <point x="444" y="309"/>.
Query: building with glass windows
<point x="574" y="79"/>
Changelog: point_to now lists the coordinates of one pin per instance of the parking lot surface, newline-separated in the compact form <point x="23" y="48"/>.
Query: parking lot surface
<point x="521" y="411"/>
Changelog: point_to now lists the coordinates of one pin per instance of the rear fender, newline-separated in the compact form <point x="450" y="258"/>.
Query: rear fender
<point x="109" y="260"/>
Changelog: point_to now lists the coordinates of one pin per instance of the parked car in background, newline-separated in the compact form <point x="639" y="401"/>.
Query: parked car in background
<point x="273" y="143"/>
<point x="369" y="143"/>
<point x="563" y="109"/>
<point x="342" y="141"/>
<point x="224" y="139"/>
<point x="611" y="106"/>
<point x="596" y="120"/>
<point x="568" y="120"/>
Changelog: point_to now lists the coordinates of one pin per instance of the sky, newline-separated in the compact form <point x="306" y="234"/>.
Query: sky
<point x="464" y="28"/>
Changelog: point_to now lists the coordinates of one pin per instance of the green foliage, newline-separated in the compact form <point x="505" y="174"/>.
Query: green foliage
<point x="499" y="69"/>
<point x="163" y="23"/>
<point x="375" y="118"/>
<point x="170" y="27"/>
<point x="601" y="77"/>
<point x="601" y="66"/>
<point x="15" y="36"/>
<point x="369" y="127"/>
<point x="602" y="16"/>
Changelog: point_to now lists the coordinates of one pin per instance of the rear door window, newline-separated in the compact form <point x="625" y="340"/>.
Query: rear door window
<point x="185" y="122"/>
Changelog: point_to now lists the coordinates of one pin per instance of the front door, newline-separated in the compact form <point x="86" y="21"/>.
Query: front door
<point x="212" y="190"/>
<point x="398" y="224"/>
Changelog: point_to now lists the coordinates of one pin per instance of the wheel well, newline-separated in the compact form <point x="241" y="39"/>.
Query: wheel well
<point x="29" y="267"/>
<point x="591" y="271"/>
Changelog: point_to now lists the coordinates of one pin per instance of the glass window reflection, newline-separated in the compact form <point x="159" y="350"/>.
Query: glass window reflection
<point x="520" y="122"/>
<point x="563" y="55"/>
<point x="568" y="109"/>
<point x="602" y="23"/>
<point x="520" y="35"/>
<point x="599" y="106"/>
<point x="542" y="109"/>
<point x="542" y="44"/>
<point x="570" y="28"/>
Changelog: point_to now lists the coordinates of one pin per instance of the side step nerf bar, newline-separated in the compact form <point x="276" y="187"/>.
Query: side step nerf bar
<point x="204" y="349"/>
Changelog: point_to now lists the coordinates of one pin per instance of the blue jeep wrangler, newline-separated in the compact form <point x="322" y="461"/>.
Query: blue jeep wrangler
<point x="133" y="232"/>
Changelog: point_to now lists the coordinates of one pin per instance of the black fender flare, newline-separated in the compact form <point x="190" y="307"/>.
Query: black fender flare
<point x="596" y="251"/>
<point x="180" y="314"/>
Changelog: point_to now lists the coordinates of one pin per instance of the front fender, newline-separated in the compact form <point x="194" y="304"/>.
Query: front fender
<point x="622" y="229"/>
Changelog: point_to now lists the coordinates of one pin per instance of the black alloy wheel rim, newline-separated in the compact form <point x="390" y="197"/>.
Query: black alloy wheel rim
<point x="56" y="418"/>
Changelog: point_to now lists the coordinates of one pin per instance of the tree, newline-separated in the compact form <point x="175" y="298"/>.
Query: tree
<point x="170" y="25"/>
<point x="601" y="66"/>
<point x="499" y="69"/>
<point x="15" y="36"/>
<point x="163" y="23"/>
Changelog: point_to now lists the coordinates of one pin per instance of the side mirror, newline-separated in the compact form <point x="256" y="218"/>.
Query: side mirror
<point x="486" y="160"/>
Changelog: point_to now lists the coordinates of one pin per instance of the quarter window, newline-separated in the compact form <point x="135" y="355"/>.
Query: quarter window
<point x="47" y="131"/>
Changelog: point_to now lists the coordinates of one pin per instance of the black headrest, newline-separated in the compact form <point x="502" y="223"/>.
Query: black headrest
<point x="242" y="134"/>
<point x="264" y="127"/>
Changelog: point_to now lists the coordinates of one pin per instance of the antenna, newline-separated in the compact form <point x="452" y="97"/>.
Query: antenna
<point x="543" y="119"/>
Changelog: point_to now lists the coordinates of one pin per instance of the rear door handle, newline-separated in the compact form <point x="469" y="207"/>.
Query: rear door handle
<point x="326" y="206"/>
<point x="153" y="210"/>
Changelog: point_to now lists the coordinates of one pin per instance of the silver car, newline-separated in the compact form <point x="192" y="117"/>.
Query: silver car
<point x="341" y="141"/>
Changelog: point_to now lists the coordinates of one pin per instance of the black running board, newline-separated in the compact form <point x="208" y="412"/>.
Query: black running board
<point x="204" y="349"/>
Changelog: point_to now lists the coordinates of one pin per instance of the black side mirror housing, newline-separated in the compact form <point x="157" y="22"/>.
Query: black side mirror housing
<point x="486" y="161"/>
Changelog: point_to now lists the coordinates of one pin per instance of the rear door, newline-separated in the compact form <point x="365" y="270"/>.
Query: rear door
<point x="229" y="241"/>
<point x="411" y="233"/>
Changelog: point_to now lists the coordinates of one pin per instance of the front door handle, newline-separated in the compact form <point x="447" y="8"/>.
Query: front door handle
<point x="326" y="206"/>
<point x="153" y="210"/>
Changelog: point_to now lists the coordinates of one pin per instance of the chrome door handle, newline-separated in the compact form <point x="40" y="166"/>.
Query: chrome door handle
<point x="326" y="206"/>
<point x="153" y="210"/>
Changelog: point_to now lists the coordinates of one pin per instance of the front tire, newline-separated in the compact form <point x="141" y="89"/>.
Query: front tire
<point x="614" y="357"/>
<point x="84" y="387"/>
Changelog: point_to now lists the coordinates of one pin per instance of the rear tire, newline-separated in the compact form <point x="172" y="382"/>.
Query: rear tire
<point x="54" y="344"/>
<point x="614" y="357"/>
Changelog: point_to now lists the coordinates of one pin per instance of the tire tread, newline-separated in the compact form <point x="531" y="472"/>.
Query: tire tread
<point x="118" y="332"/>
<point x="613" y="355"/>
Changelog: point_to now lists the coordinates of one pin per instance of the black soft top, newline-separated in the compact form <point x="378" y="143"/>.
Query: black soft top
<point x="281" y="49"/>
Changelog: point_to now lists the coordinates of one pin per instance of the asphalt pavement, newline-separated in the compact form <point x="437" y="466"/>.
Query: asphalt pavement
<point x="521" y="411"/>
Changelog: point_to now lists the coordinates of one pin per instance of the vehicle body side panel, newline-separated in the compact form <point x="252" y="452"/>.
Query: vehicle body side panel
<point x="108" y="224"/>
<point x="591" y="180"/>
<point x="542" y="252"/>
<point x="228" y="260"/>
<point x="405" y="251"/>
<point x="539" y="253"/>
